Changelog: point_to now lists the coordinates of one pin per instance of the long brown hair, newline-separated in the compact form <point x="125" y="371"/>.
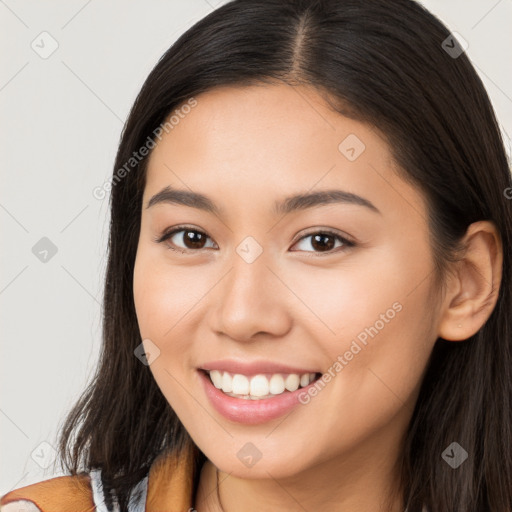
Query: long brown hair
<point x="387" y="63"/>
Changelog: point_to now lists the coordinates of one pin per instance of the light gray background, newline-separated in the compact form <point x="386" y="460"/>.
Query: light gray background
<point x="61" y="118"/>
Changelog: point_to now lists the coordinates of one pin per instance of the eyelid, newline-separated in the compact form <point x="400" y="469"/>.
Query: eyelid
<point x="327" y="231"/>
<point x="347" y="241"/>
<point x="168" y="233"/>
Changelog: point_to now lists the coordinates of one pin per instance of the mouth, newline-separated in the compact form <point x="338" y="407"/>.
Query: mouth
<point x="255" y="392"/>
<point x="256" y="398"/>
<point x="261" y="386"/>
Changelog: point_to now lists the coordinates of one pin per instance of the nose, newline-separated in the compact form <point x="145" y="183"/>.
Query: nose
<point x="251" y="300"/>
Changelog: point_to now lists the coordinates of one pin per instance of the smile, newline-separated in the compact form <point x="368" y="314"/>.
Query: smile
<point x="260" y="386"/>
<point x="263" y="393"/>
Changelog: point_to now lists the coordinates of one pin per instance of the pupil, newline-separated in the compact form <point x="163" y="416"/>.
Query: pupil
<point x="195" y="238"/>
<point x="321" y="239"/>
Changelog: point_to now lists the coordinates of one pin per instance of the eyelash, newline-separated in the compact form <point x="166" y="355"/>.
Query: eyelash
<point x="168" y="234"/>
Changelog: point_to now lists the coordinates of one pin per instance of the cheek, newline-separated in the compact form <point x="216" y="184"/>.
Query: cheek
<point x="160" y="294"/>
<point x="163" y="295"/>
<point x="367" y="287"/>
<point x="167" y="297"/>
<point x="372" y="318"/>
<point x="379" y="357"/>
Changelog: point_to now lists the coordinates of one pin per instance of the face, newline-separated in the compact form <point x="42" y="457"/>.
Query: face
<point x="329" y="293"/>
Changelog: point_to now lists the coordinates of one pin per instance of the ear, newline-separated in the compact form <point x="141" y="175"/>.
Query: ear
<point x="474" y="286"/>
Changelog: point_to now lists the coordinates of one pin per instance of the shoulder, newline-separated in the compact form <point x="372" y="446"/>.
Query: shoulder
<point x="79" y="493"/>
<point x="58" y="494"/>
<point x="20" y="506"/>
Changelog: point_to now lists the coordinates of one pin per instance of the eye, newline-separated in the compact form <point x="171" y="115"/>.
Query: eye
<point x="193" y="239"/>
<point x="324" y="241"/>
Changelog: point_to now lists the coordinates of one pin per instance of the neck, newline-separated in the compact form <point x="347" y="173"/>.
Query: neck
<point x="359" y="481"/>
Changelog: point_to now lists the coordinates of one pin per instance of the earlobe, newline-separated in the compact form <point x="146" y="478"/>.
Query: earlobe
<point x="475" y="284"/>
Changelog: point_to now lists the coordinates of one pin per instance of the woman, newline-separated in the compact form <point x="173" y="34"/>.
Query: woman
<point x="307" y="301"/>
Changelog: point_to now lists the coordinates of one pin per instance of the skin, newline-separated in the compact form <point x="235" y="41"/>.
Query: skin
<point x="246" y="147"/>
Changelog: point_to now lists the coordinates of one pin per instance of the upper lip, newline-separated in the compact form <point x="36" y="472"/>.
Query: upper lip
<point x="253" y="367"/>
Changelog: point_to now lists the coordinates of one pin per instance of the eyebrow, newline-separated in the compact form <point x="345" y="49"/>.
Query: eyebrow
<point x="285" y="206"/>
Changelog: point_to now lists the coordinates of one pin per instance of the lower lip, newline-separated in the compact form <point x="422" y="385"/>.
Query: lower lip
<point x="248" y="411"/>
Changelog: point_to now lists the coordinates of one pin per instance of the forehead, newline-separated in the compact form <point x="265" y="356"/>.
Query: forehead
<point x="258" y="141"/>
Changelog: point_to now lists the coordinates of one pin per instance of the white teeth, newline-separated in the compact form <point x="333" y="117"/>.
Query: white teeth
<point x="276" y="384"/>
<point x="216" y="377"/>
<point x="258" y="386"/>
<point x="240" y="384"/>
<point x="292" y="382"/>
<point x="227" y="383"/>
